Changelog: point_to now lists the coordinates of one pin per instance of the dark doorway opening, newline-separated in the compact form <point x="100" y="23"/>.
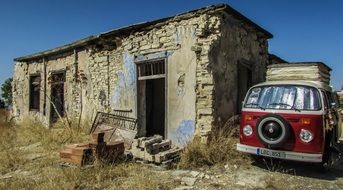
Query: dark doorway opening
<point x="155" y="107"/>
<point x="244" y="83"/>
<point x="57" y="96"/>
<point x="151" y="98"/>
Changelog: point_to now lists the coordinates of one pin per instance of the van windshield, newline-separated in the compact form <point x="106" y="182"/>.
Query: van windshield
<point x="284" y="97"/>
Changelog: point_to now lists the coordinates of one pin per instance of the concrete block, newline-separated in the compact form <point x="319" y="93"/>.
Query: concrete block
<point x="158" y="147"/>
<point x="149" y="157"/>
<point x="154" y="139"/>
<point x="166" y="155"/>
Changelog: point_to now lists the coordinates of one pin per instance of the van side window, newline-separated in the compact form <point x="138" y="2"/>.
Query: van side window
<point x="325" y="99"/>
<point x="330" y="99"/>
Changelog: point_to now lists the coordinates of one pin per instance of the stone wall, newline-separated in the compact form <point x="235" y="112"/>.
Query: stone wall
<point x="201" y="51"/>
<point x="208" y="33"/>
<point x="238" y="44"/>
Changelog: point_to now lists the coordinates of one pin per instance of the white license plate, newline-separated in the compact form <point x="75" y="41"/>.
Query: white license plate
<point x="271" y="153"/>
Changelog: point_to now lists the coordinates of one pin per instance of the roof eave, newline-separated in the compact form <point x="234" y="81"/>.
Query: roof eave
<point x="67" y="47"/>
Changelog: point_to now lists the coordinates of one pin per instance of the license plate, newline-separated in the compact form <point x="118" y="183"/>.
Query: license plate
<point x="271" y="153"/>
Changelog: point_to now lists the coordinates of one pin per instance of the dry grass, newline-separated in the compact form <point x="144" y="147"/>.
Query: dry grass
<point x="31" y="131"/>
<point x="123" y="176"/>
<point x="219" y="150"/>
<point x="29" y="159"/>
<point x="5" y="119"/>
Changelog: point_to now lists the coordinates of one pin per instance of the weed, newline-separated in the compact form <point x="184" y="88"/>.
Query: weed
<point x="219" y="150"/>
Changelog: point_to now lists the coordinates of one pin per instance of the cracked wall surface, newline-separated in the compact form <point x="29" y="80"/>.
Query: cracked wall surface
<point x="201" y="53"/>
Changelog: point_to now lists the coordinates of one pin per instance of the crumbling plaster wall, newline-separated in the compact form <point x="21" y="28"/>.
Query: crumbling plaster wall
<point x="45" y="68"/>
<point x="238" y="44"/>
<point x="20" y="90"/>
<point x="171" y="41"/>
<point x="190" y="107"/>
<point x="208" y="34"/>
<point x="61" y="63"/>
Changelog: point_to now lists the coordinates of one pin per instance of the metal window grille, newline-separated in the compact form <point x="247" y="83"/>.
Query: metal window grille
<point x="151" y="70"/>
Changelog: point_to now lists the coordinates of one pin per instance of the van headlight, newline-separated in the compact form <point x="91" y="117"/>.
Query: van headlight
<point x="306" y="135"/>
<point x="247" y="130"/>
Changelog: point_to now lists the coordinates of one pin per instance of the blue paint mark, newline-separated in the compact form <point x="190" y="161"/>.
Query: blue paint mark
<point x="140" y="58"/>
<point x="184" y="132"/>
<point x="118" y="88"/>
<point x="125" y="89"/>
<point x="177" y="36"/>
<point x="169" y="53"/>
<point x="130" y="69"/>
<point x="180" y="91"/>
<point x="193" y="33"/>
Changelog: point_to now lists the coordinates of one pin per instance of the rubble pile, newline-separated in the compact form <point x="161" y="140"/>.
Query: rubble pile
<point x="154" y="150"/>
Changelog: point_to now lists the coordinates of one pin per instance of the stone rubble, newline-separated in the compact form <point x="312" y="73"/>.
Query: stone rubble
<point x="154" y="150"/>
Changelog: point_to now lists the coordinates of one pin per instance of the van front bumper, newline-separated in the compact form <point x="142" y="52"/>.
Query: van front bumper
<point x="287" y="155"/>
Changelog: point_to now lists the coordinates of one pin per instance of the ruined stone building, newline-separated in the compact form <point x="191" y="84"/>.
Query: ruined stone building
<point x="179" y="76"/>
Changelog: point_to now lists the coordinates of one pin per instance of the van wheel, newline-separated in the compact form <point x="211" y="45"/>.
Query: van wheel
<point x="326" y="164"/>
<point x="328" y="155"/>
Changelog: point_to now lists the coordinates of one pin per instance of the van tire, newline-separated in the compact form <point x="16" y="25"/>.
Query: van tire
<point x="328" y="152"/>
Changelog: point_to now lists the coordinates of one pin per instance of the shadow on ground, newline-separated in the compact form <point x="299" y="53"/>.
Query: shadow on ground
<point x="310" y="170"/>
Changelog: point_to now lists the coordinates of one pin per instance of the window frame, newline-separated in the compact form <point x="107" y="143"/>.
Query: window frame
<point x="151" y="69"/>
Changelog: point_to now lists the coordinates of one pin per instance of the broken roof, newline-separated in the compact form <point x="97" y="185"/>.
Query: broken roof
<point x="124" y="30"/>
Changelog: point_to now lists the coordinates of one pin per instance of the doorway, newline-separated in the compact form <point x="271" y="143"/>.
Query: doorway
<point x="244" y="82"/>
<point x="57" y="96"/>
<point x="151" y="98"/>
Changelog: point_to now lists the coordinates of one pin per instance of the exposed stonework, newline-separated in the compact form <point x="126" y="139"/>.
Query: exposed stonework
<point x="201" y="50"/>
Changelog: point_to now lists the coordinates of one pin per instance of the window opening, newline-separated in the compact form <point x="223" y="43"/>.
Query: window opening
<point x="34" y="93"/>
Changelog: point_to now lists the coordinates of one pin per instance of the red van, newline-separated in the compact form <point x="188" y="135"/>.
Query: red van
<point x="292" y="120"/>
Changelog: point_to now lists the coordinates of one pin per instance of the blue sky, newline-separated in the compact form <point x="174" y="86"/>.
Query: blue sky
<point x="304" y="30"/>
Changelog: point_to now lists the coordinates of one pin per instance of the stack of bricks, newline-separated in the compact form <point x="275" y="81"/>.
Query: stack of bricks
<point x="82" y="154"/>
<point x="154" y="150"/>
<point x="78" y="154"/>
